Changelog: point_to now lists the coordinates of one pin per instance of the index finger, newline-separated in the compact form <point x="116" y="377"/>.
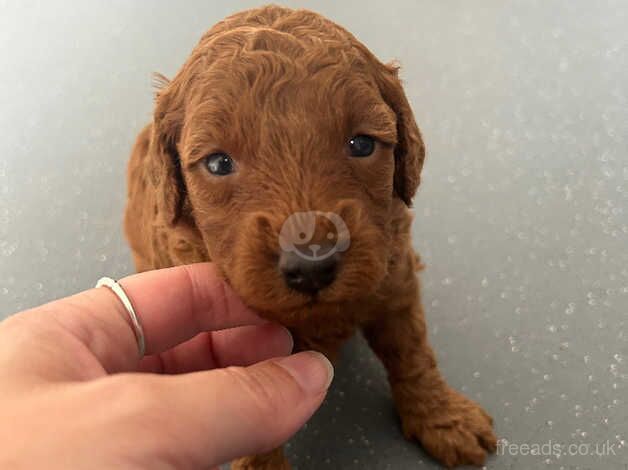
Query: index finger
<point x="176" y="304"/>
<point x="173" y="305"/>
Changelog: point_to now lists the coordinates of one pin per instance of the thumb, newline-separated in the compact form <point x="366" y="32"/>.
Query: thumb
<point x="227" y="413"/>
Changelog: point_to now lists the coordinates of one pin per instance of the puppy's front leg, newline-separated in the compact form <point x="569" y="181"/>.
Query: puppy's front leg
<point x="273" y="460"/>
<point x="451" y="427"/>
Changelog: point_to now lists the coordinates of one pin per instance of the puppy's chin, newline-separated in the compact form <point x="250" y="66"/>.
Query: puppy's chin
<point x="265" y="291"/>
<point x="294" y="309"/>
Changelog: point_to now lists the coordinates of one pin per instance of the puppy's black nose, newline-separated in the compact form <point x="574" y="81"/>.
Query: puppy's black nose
<point x="306" y="275"/>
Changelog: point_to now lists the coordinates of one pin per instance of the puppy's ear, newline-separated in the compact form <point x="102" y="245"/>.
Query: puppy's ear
<point x="410" y="150"/>
<point x="164" y="163"/>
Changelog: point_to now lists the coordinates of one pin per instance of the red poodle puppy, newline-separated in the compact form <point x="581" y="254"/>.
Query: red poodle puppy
<point x="287" y="154"/>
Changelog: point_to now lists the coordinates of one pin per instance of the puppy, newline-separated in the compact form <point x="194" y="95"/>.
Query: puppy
<point x="287" y="154"/>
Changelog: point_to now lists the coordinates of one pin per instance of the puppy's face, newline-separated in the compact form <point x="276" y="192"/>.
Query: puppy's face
<point x="290" y="160"/>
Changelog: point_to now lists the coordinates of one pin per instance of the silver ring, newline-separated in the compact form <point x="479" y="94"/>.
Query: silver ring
<point x="137" y="326"/>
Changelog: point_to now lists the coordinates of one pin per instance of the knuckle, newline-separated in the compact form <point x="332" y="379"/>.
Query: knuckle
<point x="138" y="396"/>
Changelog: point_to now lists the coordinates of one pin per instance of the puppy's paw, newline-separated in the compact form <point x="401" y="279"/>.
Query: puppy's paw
<point x="261" y="462"/>
<point x="459" y="433"/>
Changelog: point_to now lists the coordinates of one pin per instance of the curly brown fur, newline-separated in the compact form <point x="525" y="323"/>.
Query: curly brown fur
<point x="282" y="91"/>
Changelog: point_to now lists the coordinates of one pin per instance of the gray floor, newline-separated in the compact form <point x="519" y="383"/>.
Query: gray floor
<point x="522" y="218"/>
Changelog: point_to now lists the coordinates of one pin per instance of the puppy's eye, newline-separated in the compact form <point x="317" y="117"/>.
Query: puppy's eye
<point x="219" y="164"/>
<point x="361" y="145"/>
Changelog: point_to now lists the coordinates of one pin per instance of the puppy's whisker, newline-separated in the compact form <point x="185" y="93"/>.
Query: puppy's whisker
<point x="159" y="81"/>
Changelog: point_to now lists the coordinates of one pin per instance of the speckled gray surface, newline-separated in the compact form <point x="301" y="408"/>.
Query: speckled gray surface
<point x="522" y="218"/>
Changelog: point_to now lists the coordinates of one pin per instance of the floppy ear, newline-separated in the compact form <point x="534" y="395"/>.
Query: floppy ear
<point x="409" y="151"/>
<point x="164" y="163"/>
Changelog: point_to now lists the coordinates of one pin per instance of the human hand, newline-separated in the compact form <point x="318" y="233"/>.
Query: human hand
<point x="74" y="392"/>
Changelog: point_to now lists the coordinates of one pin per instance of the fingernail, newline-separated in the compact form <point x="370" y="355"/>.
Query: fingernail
<point x="290" y="338"/>
<point x="311" y="369"/>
